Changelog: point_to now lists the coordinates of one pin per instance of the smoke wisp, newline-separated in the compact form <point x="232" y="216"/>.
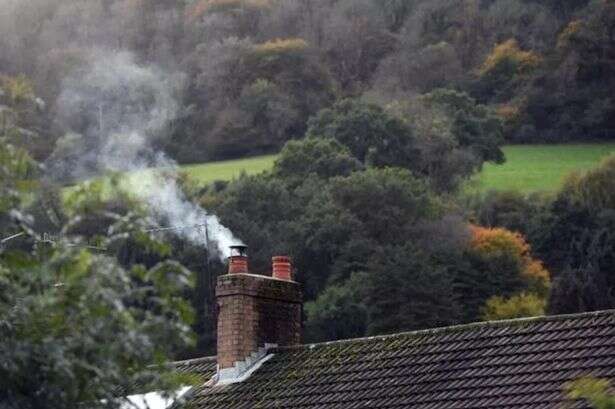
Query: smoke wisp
<point x="118" y="111"/>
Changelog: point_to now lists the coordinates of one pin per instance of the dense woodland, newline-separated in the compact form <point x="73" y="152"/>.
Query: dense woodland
<point x="254" y="71"/>
<point x="381" y="111"/>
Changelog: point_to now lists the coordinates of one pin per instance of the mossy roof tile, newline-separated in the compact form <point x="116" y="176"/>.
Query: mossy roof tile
<point x="516" y="364"/>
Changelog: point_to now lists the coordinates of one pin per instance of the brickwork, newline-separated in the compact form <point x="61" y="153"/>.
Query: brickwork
<point x="255" y="310"/>
<point x="237" y="265"/>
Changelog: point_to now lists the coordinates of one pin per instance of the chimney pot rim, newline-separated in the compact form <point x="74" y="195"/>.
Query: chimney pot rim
<point x="281" y="259"/>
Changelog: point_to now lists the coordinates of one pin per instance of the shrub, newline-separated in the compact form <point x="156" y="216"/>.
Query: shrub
<point x="279" y="47"/>
<point x="508" y="55"/>
<point x="517" y="306"/>
<point x="594" y="391"/>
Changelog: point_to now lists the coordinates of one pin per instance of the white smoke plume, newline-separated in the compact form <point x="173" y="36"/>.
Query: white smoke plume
<point x="118" y="110"/>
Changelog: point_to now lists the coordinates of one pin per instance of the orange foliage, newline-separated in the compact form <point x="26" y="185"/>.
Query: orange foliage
<point x="502" y="241"/>
<point x="507" y="112"/>
<point x="510" y="51"/>
<point x="497" y="242"/>
<point x="202" y="7"/>
<point x="280" y="46"/>
<point x="536" y="270"/>
<point x="572" y="29"/>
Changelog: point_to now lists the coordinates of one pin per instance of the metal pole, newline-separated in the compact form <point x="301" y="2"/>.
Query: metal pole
<point x="100" y="119"/>
<point x="208" y="273"/>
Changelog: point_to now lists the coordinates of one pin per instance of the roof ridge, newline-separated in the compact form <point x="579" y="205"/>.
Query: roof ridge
<point x="458" y="327"/>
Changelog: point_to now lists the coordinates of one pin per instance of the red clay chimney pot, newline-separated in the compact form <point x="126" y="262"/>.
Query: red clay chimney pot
<point x="282" y="268"/>
<point x="238" y="265"/>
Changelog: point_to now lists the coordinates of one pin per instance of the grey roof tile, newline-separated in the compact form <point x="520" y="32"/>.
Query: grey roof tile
<point x="517" y="364"/>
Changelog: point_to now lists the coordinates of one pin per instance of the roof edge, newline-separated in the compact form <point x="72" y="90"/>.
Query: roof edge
<point x="454" y="328"/>
<point x="202" y="359"/>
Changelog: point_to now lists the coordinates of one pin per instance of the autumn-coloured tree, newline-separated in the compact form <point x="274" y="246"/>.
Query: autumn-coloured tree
<point x="244" y="14"/>
<point x="502" y="267"/>
<point x="508" y="55"/>
<point x="506" y="69"/>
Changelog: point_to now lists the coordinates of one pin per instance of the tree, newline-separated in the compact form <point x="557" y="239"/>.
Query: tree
<point x="573" y="100"/>
<point x="293" y="64"/>
<point x="18" y="170"/>
<point x="505" y="69"/>
<point x="339" y="312"/>
<point x="78" y="328"/>
<point x="270" y="113"/>
<point x="21" y="119"/>
<point x="454" y="135"/>
<point x="594" y="391"/>
<point x="511" y="210"/>
<point x="531" y="23"/>
<point x="564" y="8"/>
<point x="373" y="136"/>
<point x="500" y="265"/>
<point x="330" y="224"/>
<point x="408" y="291"/>
<point x="325" y="158"/>
<point x="475" y="126"/>
<point x="419" y="70"/>
<point x="402" y="288"/>
<point x="387" y="202"/>
<point x="580" y="289"/>
<point x="259" y="95"/>
<point x="240" y="17"/>
<point x="394" y="12"/>
<point x="577" y="243"/>
<point x="354" y="42"/>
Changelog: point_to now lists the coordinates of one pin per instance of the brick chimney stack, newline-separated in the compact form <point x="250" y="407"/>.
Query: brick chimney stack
<point x="255" y="312"/>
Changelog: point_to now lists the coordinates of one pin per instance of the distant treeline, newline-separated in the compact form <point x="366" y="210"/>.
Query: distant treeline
<point x="394" y="105"/>
<point x="255" y="71"/>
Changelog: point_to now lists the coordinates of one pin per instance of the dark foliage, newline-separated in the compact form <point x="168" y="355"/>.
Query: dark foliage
<point x="251" y="79"/>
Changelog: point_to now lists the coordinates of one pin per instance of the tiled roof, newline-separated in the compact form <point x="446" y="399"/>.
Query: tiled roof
<point x="507" y="364"/>
<point x="204" y="368"/>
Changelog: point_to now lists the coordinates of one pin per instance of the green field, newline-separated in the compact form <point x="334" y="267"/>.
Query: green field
<point x="227" y="170"/>
<point x="528" y="168"/>
<point x="202" y="173"/>
<point x="531" y="168"/>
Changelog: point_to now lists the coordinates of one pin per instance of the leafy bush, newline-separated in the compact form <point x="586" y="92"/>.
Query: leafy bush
<point x="517" y="306"/>
<point x="594" y="391"/>
<point x="280" y="46"/>
<point x="81" y="329"/>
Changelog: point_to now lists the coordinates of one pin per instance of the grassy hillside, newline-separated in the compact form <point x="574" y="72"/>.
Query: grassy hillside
<point x="202" y="174"/>
<point x="227" y="170"/>
<point x="530" y="168"/>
